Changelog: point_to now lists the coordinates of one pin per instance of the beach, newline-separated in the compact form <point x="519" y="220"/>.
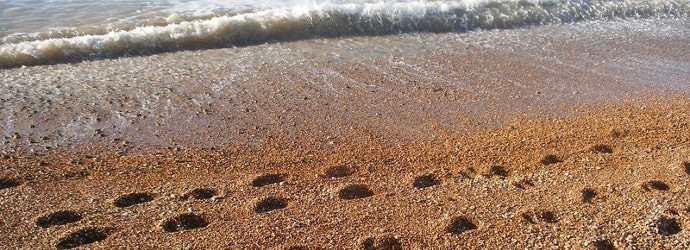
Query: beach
<point x="568" y="136"/>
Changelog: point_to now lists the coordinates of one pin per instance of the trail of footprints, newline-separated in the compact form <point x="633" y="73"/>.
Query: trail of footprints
<point x="458" y="225"/>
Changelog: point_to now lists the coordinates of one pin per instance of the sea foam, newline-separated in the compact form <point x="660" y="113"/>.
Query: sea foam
<point x="326" y="20"/>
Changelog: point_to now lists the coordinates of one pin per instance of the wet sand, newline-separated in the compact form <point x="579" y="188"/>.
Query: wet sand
<point x="573" y="136"/>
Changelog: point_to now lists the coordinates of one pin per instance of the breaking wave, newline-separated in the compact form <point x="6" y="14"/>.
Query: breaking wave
<point x="324" y="20"/>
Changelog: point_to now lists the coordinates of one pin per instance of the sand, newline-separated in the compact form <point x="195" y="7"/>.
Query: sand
<point x="577" y="138"/>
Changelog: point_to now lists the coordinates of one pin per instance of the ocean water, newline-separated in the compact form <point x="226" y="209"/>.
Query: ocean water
<point x="52" y="31"/>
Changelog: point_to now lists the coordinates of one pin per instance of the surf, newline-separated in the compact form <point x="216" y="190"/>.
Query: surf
<point x="326" y="20"/>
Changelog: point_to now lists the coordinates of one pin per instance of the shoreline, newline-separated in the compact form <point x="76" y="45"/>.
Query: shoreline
<point x="403" y="85"/>
<point x="574" y="137"/>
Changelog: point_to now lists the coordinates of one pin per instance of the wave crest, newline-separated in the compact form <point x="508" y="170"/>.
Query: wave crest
<point x="331" y="20"/>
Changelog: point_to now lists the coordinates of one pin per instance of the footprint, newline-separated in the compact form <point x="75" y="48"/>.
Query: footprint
<point x="495" y="171"/>
<point x="686" y="166"/>
<point x="186" y="221"/>
<point x="656" y="185"/>
<point x="338" y="172"/>
<point x="81" y="237"/>
<point x="57" y="218"/>
<point x="268" y="179"/>
<point x="270" y="204"/>
<point x="132" y="199"/>
<point x="8" y="183"/>
<point x="200" y="194"/>
<point x="523" y="184"/>
<point x="550" y="159"/>
<point x="588" y="195"/>
<point x="381" y="243"/>
<point x="603" y="245"/>
<point x="355" y="191"/>
<point x="667" y="226"/>
<point x="425" y="181"/>
<point x="533" y="217"/>
<point x="460" y="225"/>
<point x="601" y="148"/>
<point x="547" y="216"/>
<point x="297" y="248"/>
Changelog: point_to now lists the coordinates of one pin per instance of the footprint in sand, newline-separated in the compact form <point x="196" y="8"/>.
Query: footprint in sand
<point x="533" y="217"/>
<point x="200" y="194"/>
<point x="186" y="221"/>
<point x="587" y="195"/>
<point x="8" y="183"/>
<point x="267" y="179"/>
<point x="667" y="226"/>
<point x="655" y="185"/>
<point x="355" y="191"/>
<point x="602" y="149"/>
<point x="132" y="199"/>
<point x="425" y="181"/>
<point x="495" y="170"/>
<point x="384" y="242"/>
<point x="550" y="159"/>
<point x="339" y="171"/>
<point x="523" y="183"/>
<point x="460" y="225"/>
<point x="686" y="166"/>
<point x="81" y="237"/>
<point x="297" y="248"/>
<point x="269" y="204"/>
<point x="603" y="245"/>
<point x="57" y="218"/>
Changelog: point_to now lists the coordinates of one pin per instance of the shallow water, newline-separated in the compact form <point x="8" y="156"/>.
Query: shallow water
<point x="396" y="81"/>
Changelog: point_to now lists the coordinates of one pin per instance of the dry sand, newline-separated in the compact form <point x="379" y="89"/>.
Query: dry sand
<point x="432" y="141"/>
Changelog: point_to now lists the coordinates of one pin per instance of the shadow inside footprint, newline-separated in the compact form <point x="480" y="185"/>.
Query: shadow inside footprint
<point x="603" y="245"/>
<point x="425" y="181"/>
<point x="588" y="195"/>
<point x="355" y="191"/>
<point x="523" y="184"/>
<point x="496" y="171"/>
<point x="548" y="217"/>
<point x="667" y="226"/>
<point x="8" y="183"/>
<point x="57" y="218"/>
<point x="269" y="204"/>
<point x="200" y="194"/>
<point x="185" y="221"/>
<point x="550" y="159"/>
<point x="656" y="185"/>
<point x="132" y="199"/>
<point x="533" y="217"/>
<point x="81" y="237"/>
<point x="460" y="225"/>
<point x="297" y="248"/>
<point x="686" y="165"/>
<point x="337" y="172"/>
<point x="601" y="148"/>
<point x="381" y="243"/>
<point x="527" y="217"/>
<point x="268" y="179"/>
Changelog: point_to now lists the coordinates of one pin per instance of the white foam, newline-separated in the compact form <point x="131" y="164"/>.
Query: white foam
<point x="313" y="19"/>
